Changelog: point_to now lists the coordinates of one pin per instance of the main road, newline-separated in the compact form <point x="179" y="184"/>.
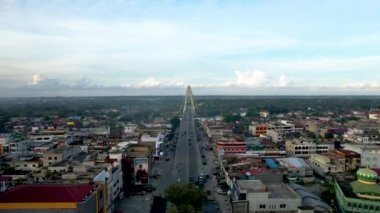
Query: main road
<point x="187" y="159"/>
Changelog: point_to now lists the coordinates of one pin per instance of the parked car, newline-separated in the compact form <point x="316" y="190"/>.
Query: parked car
<point x="149" y="188"/>
<point x="220" y="191"/>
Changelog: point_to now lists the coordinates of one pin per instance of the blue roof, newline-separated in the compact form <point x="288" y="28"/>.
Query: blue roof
<point x="271" y="164"/>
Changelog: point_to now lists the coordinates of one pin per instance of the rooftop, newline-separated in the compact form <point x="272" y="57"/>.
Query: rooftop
<point x="293" y="162"/>
<point x="275" y="191"/>
<point x="44" y="193"/>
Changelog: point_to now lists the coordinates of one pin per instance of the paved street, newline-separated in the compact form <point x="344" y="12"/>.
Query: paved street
<point x="187" y="159"/>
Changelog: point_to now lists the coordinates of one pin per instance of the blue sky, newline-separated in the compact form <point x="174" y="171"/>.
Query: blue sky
<point x="256" y="47"/>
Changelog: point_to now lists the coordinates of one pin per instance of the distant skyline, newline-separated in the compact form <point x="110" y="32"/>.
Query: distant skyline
<point x="101" y="48"/>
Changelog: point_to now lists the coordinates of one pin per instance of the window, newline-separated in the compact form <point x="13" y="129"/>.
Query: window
<point x="25" y="165"/>
<point x="371" y="208"/>
<point x="365" y="207"/>
<point x="360" y="206"/>
<point x="349" y="204"/>
<point x="354" y="205"/>
<point x="262" y="206"/>
<point x="49" y="158"/>
<point x="282" y="206"/>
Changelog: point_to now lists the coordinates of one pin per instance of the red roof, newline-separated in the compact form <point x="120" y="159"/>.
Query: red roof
<point x="348" y="153"/>
<point x="45" y="193"/>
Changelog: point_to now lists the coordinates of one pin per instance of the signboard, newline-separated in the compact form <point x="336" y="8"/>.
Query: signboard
<point x="141" y="171"/>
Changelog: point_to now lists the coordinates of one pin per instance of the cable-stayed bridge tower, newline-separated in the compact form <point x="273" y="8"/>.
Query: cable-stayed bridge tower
<point x="188" y="100"/>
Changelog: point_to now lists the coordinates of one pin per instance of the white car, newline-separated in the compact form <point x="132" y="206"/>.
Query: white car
<point x="220" y="191"/>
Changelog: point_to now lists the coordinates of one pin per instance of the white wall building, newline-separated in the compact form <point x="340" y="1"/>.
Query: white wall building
<point x="301" y="148"/>
<point x="262" y="197"/>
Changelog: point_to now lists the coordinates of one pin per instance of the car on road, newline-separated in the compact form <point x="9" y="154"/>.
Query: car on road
<point x="204" y="163"/>
<point x="220" y="191"/>
<point x="149" y="188"/>
<point x="167" y="159"/>
<point x="189" y="144"/>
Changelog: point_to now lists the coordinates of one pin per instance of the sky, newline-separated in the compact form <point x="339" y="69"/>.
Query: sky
<point x="255" y="47"/>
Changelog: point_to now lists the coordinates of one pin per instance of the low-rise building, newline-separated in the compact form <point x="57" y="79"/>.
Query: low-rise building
<point x="370" y="156"/>
<point x="296" y="169"/>
<point x="58" y="155"/>
<point x="274" y="197"/>
<point x="328" y="163"/>
<point x="352" y="159"/>
<point x="53" y="198"/>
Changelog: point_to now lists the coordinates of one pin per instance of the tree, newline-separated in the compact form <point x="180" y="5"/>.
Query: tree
<point x="175" y="121"/>
<point x="329" y="135"/>
<point x="185" y="196"/>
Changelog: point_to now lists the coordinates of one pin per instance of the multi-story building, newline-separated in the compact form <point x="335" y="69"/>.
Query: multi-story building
<point x="328" y="163"/>
<point x="19" y="146"/>
<point x="70" y="198"/>
<point x="352" y="159"/>
<point x="112" y="180"/>
<point x="274" y="197"/>
<point x="27" y="165"/>
<point x="370" y="156"/>
<point x="300" y="148"/>
<point x="258" y="129"/>
<point x="229" y="146"/>
<point x="58" y="155"/>
<point x="374" y="115"/>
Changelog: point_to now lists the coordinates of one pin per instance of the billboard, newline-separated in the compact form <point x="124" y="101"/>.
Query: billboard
<point x="141" y="171"/>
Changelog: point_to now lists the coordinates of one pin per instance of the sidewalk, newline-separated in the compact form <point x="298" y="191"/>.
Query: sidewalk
<point x="222" y="200"/>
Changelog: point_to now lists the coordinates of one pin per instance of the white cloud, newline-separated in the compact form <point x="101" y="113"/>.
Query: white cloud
<point x="362" y="85"/>
<point x="36" y="79"/>
<point x="283" y="81"/>
<point x="152" y="82"/>
<point x="254" y="78"/>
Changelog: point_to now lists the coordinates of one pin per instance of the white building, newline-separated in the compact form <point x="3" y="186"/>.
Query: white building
<point x="276" y="197"/>
<point x="369" y="154"/>
<point x="374" y="115"/>
<point x="301" y="148"/>
<point x="19" y="146"/>
<point x="130" y="128"/>
<point x="157" y="139"/>
<point x="112" y="181"/>
<point x="42" y="138"/>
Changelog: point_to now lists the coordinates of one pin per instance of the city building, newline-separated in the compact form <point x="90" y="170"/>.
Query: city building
<point x="257" y="129"/>
<point x="328" y="163"/>
<point x="352" y="159"/>
<point x="370" y="156"/>
<point x="296" y="169"/>
<point x="374" y="115"/>
<point x="362" y="195"/>
<point x="230" y="146"/>
<point x="58" y="155"/>
<point x="300" y="148"/>
<point x="311" y="200"/>
<point x="53" y="198"/>
<point x="274" y="197"/>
